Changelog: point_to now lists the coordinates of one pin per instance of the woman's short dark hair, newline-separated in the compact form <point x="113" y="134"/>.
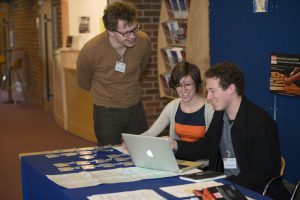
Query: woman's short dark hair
<point x="183" y="69"/>
<point x="119" y="11"/>
<point x="228" y="73"/>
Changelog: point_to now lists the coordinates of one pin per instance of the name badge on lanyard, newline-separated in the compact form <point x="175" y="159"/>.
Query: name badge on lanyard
<point x="120" y="67"/>
<point x="229" y="163"/>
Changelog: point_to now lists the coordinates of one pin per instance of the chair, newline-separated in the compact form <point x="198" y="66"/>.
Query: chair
<point x="292" y="188"/>
<point x="2" y="62"/>
<point x="282" y="166"/>
<point x="10" y="83"/>
<point x="2" y="59"/>
<point x="296" y="194"/>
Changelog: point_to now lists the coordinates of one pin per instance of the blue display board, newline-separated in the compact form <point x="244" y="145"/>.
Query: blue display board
<point x="241" y="35"/>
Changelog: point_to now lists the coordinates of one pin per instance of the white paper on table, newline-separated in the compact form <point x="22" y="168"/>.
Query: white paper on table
<point x="137" y="194"/>
<point x="129" y="174"/>
<point x="182" y="191"/>
<point x="74" y="180"/>
<point x="118" y="175"/>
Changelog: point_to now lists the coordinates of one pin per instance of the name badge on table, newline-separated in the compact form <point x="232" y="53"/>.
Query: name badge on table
<point x="120" y="67"/>
<point x="229" y="163"/>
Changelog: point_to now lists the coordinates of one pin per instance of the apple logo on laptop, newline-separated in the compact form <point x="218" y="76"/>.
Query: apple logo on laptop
<point x="149" y="153"/>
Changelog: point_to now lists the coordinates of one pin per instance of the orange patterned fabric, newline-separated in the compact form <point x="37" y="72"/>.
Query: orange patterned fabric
<point x="190" y="133"/>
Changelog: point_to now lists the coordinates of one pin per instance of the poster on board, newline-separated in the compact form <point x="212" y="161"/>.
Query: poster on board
<point x="84" y="24"/>
<point x="285" y="74"/>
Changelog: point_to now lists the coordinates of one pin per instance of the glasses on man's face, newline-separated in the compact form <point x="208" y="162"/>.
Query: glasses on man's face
<point x="128" y="33"/>
<point x="184" y="85"/>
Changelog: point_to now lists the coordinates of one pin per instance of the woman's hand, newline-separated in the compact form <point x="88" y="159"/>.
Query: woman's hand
<point x="172" y="142"/>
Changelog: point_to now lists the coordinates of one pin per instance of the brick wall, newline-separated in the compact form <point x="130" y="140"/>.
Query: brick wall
<point x="22" y="19"/>
<point x="56" y="7"/>
<point x="149" y="12"/>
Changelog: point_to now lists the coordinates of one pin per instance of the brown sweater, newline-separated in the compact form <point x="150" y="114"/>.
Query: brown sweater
<point x="96" y="71"/>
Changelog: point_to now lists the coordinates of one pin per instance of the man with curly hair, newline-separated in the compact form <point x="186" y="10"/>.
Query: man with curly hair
<point x="110" y="66"/>
<point x="242" y="140"/>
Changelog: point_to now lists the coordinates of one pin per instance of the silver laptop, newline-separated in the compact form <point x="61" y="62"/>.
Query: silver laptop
<point x="153" y="153"/>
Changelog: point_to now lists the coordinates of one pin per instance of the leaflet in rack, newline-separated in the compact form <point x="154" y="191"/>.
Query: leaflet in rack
<point x="172" y="56"/>
<point x="175" y="31"/>
<point x="178" y="8"/>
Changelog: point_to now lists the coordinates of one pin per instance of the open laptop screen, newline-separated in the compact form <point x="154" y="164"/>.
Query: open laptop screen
<point x="152" y="153"/>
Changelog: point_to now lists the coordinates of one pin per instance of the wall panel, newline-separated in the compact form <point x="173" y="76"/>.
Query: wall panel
<point x="247" y="38"/>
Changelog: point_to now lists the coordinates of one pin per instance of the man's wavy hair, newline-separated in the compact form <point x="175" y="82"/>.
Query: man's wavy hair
<point x="228" y="73"/>
<point x="119" y="11"/>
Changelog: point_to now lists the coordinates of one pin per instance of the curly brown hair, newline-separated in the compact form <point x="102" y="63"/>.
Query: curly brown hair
<point x="228" y="73"/>
<point x="119" y="11"/>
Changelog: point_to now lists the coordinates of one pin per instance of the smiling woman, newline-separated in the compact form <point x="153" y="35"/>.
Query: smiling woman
<point x="189" y="116"/>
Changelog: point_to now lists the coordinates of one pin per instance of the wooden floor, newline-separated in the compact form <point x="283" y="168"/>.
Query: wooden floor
<point x="26" y="129"/>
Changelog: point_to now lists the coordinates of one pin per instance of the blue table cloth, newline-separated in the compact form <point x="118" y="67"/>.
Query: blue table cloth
<point x="37" y="186"/>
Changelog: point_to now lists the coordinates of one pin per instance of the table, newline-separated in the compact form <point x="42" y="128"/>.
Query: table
<point x="36" y="185"/>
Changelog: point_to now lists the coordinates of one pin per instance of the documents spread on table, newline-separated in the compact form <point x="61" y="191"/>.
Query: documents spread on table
<point x="117" y="175"/>
<point x="88" y="159"/>
<point x="179" y="191"/>
<point x="186" y="190"/>
<point x="137" y="194"/>
<point x="92" y="158"/>
<point x="182" y="191"/>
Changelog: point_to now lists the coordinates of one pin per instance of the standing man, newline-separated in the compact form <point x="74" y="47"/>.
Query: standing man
<point x="242" y="140"/>
<point x="110" y="66"/>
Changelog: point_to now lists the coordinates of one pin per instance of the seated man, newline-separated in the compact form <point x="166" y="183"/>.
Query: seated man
<point x="242" y="140"/>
